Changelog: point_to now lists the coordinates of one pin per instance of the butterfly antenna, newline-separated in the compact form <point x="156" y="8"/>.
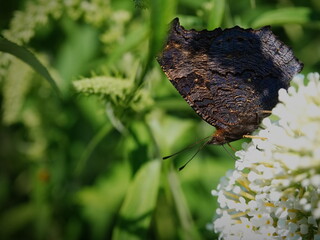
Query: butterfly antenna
<point x="183" y="166"/>
<point x="230" y="154"/>
<point x="186" y="148"/>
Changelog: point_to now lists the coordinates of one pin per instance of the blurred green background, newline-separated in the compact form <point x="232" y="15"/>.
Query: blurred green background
<point x="87" y="164"/>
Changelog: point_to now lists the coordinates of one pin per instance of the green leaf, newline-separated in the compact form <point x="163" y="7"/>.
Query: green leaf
<point x="137" y="209"/>
<point x="29" y="58"/>
<point x="298" y="15"/>
<point x="101" y="201"/>
<point x="216" y="15"/>
<point x="15" y="90"/>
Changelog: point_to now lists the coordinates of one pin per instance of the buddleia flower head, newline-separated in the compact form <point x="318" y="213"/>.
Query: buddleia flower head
<point x="274" y="190"/>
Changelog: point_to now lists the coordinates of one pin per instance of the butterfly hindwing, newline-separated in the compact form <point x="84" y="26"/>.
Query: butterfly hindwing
<point x="229" y="77"/>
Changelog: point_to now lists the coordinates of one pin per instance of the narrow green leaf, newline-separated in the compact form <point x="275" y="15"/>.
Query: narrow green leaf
<point x="29" y="58"/>
<point x="137" y="209"/>
<point x="77" y="51"/>
<point x="97" y="138"/>
<point x="253" y="3"/>
<point x="162" y="13"/>
<point x="298" y="15"/>
<point x="141" y="3"/>
<point x="216" y="15"/>
<point x="134" y="38"/>
<point x="192" y="4"/>
<point x="189" y="231"/>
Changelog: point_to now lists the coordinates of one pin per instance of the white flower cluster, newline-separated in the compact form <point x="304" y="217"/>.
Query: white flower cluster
<point x="274" y="191"/>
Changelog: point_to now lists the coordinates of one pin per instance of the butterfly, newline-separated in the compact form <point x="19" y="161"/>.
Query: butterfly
<point x="229" y="77"/>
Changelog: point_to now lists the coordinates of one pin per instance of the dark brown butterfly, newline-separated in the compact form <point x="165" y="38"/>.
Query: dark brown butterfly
<point x="230" y="77"/>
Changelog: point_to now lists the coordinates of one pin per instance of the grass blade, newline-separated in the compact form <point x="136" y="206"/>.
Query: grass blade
<point x="298" y="15"/>
<point x="216" y="15"/>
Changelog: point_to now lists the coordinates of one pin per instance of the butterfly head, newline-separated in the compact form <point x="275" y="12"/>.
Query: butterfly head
<point x="219" y="137"/>
<point x="223" y="136"/>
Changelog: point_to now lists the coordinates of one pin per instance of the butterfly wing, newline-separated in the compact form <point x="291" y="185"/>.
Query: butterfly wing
<point x="228" y="76"/>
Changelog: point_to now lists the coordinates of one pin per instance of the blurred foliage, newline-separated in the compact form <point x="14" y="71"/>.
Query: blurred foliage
<point x="87" y="164"/>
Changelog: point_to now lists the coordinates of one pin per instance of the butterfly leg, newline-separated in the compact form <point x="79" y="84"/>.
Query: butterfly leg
<point x="258" y="119"/>
<point x="232" y="147"/>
